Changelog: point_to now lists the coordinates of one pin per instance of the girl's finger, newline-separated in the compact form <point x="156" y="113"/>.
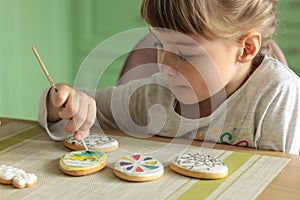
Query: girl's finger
<point x="79" y="135"/>
<point x="83" y="131"/>
<point x="90" y="118"/>
<point x="60" y="95"/>
<point x="71" y="106"/>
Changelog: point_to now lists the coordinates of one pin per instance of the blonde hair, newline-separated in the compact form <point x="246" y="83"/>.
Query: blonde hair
<point x="229" y="19"/>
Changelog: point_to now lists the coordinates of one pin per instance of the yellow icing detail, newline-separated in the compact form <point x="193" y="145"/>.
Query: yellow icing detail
<point x="125" y="158"/>
<point x="82" y="158"/>
<point x="151" y="163"/>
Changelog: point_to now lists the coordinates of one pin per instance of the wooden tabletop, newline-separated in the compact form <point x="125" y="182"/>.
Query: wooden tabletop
<point x="286" y="184"/>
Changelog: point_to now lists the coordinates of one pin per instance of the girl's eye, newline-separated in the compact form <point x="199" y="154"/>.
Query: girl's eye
<point x="185" y="56"/>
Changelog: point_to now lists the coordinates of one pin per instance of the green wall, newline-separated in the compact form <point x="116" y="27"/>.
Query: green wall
<point x="288" y="32"/>
<point x="65" y="31"/>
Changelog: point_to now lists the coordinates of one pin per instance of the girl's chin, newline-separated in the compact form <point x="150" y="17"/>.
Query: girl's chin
<point x="186" y="100"/>
<point x="187" y="95"/>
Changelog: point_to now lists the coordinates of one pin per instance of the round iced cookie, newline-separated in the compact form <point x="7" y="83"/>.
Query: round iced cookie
<point x="93" y="142"/>
<point x="80" y="163"/>
<point x="199" y="166"/>
<point x="138" y="168"/>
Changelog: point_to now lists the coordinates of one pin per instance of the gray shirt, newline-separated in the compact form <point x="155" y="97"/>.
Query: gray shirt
<point x="263" y="113"/>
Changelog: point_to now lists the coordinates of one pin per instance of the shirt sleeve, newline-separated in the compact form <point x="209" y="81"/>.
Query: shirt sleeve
<point x="54" y="130"/>
<point x="141" y="106"/>
<point x="280" y="127"/>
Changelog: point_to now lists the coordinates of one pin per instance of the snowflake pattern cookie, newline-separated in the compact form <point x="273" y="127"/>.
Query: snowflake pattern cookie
<point x="16" y="177"/>
<point x="93" y="142"/>
<point x="199" y="166"/>
<point x="138" y="167"/>
<point x="80" y="163"/>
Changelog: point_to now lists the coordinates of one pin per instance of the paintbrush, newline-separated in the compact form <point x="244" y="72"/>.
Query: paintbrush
<point x="52" y="84"/>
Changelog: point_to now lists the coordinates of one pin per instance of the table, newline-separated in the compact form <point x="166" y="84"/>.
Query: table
<point x="285" y="185"/>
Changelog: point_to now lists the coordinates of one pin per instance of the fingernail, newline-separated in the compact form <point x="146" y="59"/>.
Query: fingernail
<point x="77" y="135"/>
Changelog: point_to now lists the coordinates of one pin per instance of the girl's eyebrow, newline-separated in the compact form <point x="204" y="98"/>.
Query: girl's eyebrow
<point x="193" y="44"/>
<point x="182" y="43"/>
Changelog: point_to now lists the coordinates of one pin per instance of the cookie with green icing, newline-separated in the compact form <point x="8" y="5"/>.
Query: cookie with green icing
<point x="80" y="163"/>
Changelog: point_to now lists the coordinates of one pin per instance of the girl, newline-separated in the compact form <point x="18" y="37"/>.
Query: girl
<point x="218" y="81"/>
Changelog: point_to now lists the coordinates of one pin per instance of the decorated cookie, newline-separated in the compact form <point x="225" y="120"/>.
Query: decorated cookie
<point x="16" y="177"/>
<point x="199" y="166"/>
<point x="138" y="167"/>
<point x="80" y="163"/>
<point x="93" y="142"/>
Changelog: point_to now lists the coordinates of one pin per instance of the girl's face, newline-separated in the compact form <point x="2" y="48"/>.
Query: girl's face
<point x="195" y="67"/>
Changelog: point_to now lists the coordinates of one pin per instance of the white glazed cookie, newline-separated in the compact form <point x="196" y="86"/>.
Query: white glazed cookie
<point x="17" y="177"/>
<point x="93" y="142"/>
<point x="137" y="167"/>
<point x="199" y="166"/>
<point x="80" y="163"/>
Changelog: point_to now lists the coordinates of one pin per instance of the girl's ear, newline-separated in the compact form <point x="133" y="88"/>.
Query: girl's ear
<point x="250" y="45"/>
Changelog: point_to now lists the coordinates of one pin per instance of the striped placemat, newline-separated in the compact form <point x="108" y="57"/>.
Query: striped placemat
<point x="28" y="147"/>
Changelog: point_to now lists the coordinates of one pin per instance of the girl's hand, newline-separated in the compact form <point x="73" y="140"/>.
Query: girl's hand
<point x="76" y="106"/>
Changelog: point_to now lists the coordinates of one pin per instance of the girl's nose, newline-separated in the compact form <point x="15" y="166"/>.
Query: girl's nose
<point x="165" y="64"/>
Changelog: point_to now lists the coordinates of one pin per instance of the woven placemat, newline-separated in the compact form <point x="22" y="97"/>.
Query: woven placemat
<point x="31" y="149"/>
